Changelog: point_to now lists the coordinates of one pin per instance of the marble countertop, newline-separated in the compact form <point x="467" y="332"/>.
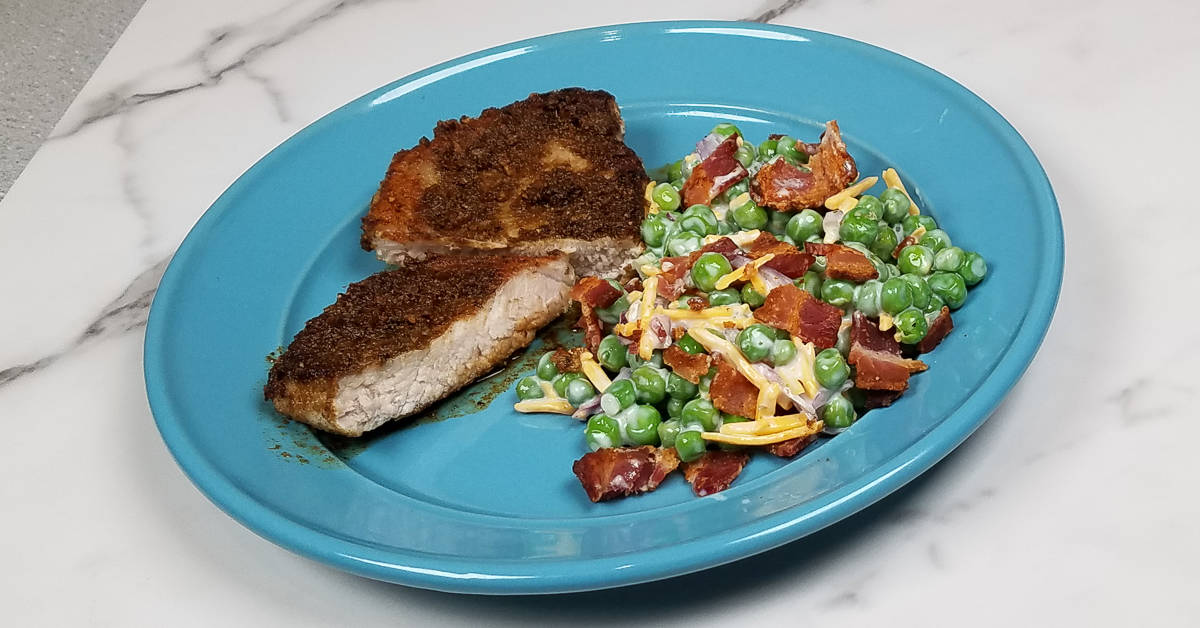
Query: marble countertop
<point x="1072" y="505"/>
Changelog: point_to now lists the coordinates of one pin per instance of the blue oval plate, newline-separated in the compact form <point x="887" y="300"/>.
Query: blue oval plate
<point x="485" y="501"/>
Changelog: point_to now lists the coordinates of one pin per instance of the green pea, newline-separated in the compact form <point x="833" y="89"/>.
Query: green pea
<point x="810" y="283"/>
<point x="700" y="411"/>
<point x="642" y="425"/>
<point x="784" y="142"/>
<point x="612" y="313"/>
<point x="782" y="352"/>
<point x="678" y="183"/>
<point x="752" y="297"/>
<point x="895" y="205"/>
<point x="803" y="225"/>
<point x="885" y="243"/>
<point x="649" y="385"/>
<point x="737" y="189"/>
<point x="819" y="263"/>
<point x="755" y="342"/>
<point x="911" y="222"/>
<point x="665" y="196"/>
<point x="935" y="304"/>
<point x="745" y="154"/>
<point x="895" y="296"/>
<point x="728" y="296"/>
<point x="611" y="353"/>
<point x="869" y="206"/>
<point x="705" y="382"/>
<point x="579" y="391"/>
<point x="920" y="290"/>
<point x="866" y="297"/>
<point x="916" y="259"/>
<point x="843" y="339"/>
<point x="935" y="240"/>
<point x="793" y="155"/>
<point x="602" y="432"/>
<point x="973" y="269"/>
<point x="748" y="215"/>
<point x="837" y="292"/>
<point x="680" y="388"/>
<point x="725" y="129"/>
<point x="618" y="396"/>
<point x="668" y="431"/>
<point x="675" y="170"/>
<point x="708" y="268"/>
<point x="561" y="381"/>
<point x="830" y="368"/>
<point x="767" y="148"/>
<point x="859" y="228"/>
<point x="695" y="225"/>
<point x="776" y="333"/>
<point x="705" y="213"/>
<point x="688" y="163"/>
<point x="949" y="259"/>
<point x="689" y="445"/>
<point x="951" y="287"/>
<point x="689" y="344"/>
<point x="545" y="367"/>
<point x="911" y="325"/>
<point x="675" y="407"/>
<point x="654" y="230"/>
<point x="777" y="222"/>
<point x="683" y="243"/>
<point x="838" y="412"/>
<point x="528" y="388"/>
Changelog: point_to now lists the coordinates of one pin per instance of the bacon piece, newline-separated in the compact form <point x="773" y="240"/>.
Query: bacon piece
<point x="696" y="304"/>
<point x="724" y="246"/>
<point x="938" y="329"/>
<point x="715" y="174"/>
<point x="714" y="471"/>
<point x="612" y="473"/>
<point x="567" y="360"/>
<point x="908" y="240"/>
<point x="789" y="448"/>
<point x="788" y="259"/>
<point x="802" y="315"/>
<point x="634" y="283"/>
<point x="593" y="332"/>
<point x="876" y="357"/>
<point x="595" y="292"/>
<point x="782" y="186"/>
<point x="843" y="262"/>
<point x="879" y="398"/>
<point x="731" y="392"/>
<point x="672" y="282"/>
<point x="690" y="366"/>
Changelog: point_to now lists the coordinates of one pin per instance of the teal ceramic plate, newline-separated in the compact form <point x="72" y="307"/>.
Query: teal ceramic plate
<point x="486" y="501"/>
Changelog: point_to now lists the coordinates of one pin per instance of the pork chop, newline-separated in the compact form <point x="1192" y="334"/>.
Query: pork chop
<point x="551" y="172"/>
<point x="400" y="340"/>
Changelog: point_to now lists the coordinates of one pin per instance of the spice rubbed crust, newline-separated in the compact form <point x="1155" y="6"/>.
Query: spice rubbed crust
<point x="399" y="340"/>
<point x="548" y="172"/>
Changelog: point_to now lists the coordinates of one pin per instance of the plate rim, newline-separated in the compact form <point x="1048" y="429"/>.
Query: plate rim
<point x="572" y="575"/>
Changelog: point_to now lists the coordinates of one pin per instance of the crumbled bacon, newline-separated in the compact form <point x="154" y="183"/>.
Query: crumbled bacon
<point x="908" y="240"/>
<point x="789" y="448"/>
<point x="843" y="262"/>
<point x="723" y="245"/>
<point x="714" y="471"/>
<point x="618" y="472"/>
<point x="567" y="360"/>
<point x="802" y="315"/>
<point x="876" y="357"/>
<point x="672" y="281"/>
<point x="782" y="186"/>
<point x="879" y="398"/>
<point x="690" y="366"/>
<point x="938" y="329"/>
<point x="788" y="259"/>
<point x="593" y="332"/>
<point x="634" y="283"/>
<point x="595" y="292"/>
<point x="696" y="304"/>
<point x="731" y="392"/>
<point x="715" y="174"/>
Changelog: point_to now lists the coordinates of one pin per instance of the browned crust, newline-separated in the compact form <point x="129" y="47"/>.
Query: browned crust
<point x="385" y="315"/>
<point x="552" y="166"/>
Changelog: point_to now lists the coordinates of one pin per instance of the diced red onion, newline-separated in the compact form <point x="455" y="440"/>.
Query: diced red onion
<point x="737" y="260"/>
<point x="588" y="408"/>
<point x="773" y="278"/>
<point x="706" y="146"/>
<point x="832" y="223"/>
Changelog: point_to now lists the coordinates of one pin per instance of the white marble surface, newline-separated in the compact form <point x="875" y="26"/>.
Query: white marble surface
<point x="1074" y="505"/>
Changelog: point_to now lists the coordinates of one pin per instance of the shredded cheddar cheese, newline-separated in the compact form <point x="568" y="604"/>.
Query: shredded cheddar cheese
<point x="847" y="204"/>
<point x="765" y="425"/>
<point x="548" y="389"/>
<point x="768" y="398"/>
<point x="893" y="181"/>
<point x="727" y="279"/>
<point x="854" y="190"/>
<point x="650" y="270"/>
<point x="885" y="321"/>
<point x="593" y="371"/>
<point x="553" y="406"/>
<point x="713" y="341"/>
<point x="808" y="429"/>
<point x="741" y="238"/>
<point x="654" y="208"/>
<point x="646" y="342"/>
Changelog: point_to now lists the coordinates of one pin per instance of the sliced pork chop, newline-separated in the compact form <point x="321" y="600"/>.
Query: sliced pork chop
<point x="400" y="340"/>
<point x="551" y="172"/>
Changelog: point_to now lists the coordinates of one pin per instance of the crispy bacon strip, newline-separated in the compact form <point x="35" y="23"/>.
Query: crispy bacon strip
<point x="938" y="329"/>
<point x="731" y="392"/>
<point x="802" y="315"/>
<point x="595" y="292"/>
<point x="908" y="240"/>
<point x="789" y="260"/>
<point x="876" y="357"/>
<point x="567" y="360"/>
<point x="843" y="262"/>
<point x="879" y="398"/>
<point x="782" y="186"/>
<point x="690" y="366"/>
<point x="672" y="282"/>
<point x="593" y="332"/>
<point x="618" y="472"/>
<point x="697" y="303"/>
<point x="789" y="448"/>
<point x="714" y="471"/>
<point x="717" y="173"/>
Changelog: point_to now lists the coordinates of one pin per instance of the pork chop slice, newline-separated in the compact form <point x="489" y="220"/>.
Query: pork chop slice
<point x="402" y="339"/>
<point x="551" y="172"/>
